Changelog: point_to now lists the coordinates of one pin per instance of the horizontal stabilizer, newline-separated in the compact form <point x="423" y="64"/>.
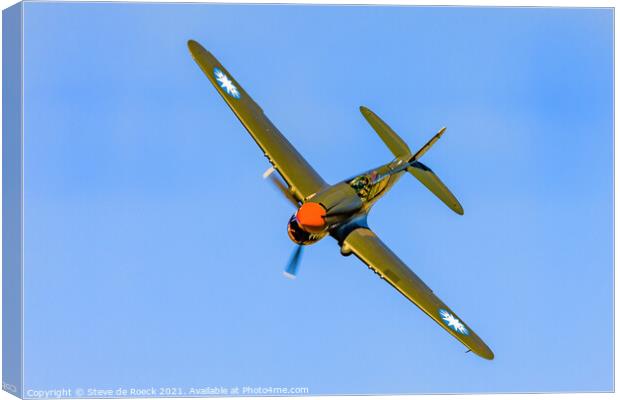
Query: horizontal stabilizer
<point x="397" y="146"/>
<point x="428" y="178"/>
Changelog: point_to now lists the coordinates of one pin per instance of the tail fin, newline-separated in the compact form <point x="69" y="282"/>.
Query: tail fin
<point x="424" y="174"/>
<point x="428" y="145"/>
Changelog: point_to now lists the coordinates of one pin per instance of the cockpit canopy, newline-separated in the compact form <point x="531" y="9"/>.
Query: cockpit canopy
<point x="361" y="185"/>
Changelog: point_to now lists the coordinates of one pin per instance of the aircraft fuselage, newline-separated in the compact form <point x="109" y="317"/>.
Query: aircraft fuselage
<point x="345" y="204"/>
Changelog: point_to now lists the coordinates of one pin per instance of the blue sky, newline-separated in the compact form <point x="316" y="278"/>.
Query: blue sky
<point x="154" y="250"/>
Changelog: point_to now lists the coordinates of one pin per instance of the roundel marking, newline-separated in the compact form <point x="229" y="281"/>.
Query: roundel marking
<point x="452" y="322"/>
<point x="226" y="83"/>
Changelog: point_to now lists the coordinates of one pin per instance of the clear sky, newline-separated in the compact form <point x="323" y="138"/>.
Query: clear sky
<point x="154" y="250"/>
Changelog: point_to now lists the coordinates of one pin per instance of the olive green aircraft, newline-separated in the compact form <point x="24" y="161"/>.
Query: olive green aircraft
<point x="341" y="210"/>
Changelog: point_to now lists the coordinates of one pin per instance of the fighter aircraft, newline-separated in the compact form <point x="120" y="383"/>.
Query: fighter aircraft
<point x="341" y="210"/>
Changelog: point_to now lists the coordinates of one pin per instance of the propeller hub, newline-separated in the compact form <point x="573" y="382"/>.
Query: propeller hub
<point x="311" y="217"/>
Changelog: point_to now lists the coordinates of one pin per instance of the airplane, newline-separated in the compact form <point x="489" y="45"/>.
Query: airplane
<point x="341" y="210"/>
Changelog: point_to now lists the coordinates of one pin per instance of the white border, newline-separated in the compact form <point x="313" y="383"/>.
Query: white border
<point x="483" y="3"/>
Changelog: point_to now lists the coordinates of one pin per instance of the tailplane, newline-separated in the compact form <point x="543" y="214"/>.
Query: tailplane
<point x="401" y="150"/>
<point x="397" y="146"/>
<point x="427" y="177"/>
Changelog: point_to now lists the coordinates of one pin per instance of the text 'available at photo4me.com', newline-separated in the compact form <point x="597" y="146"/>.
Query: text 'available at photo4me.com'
<point x="166" y="392"/>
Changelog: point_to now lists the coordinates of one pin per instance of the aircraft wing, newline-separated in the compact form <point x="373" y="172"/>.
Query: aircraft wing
<point x="373" y="252"/>
<point x="301" y="178"/>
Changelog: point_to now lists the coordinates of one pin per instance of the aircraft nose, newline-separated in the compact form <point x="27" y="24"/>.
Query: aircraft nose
<point x="311" y="217"/>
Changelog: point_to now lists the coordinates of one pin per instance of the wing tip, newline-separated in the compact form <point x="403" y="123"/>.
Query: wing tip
<point x="482" y="350"/>
<point x="487" y="354"/>
<point x="366" y="112"/>
<point x="191" y="43"/>
<point x="195" y="47"/>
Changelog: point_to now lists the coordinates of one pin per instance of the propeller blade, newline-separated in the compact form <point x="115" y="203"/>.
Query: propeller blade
<point x="291" y="268"/>
<point x="279" y="183"/>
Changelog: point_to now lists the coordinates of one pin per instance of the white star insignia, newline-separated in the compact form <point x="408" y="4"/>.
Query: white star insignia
<point x="226" y="83"/>
<point x="453" y="322"/>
